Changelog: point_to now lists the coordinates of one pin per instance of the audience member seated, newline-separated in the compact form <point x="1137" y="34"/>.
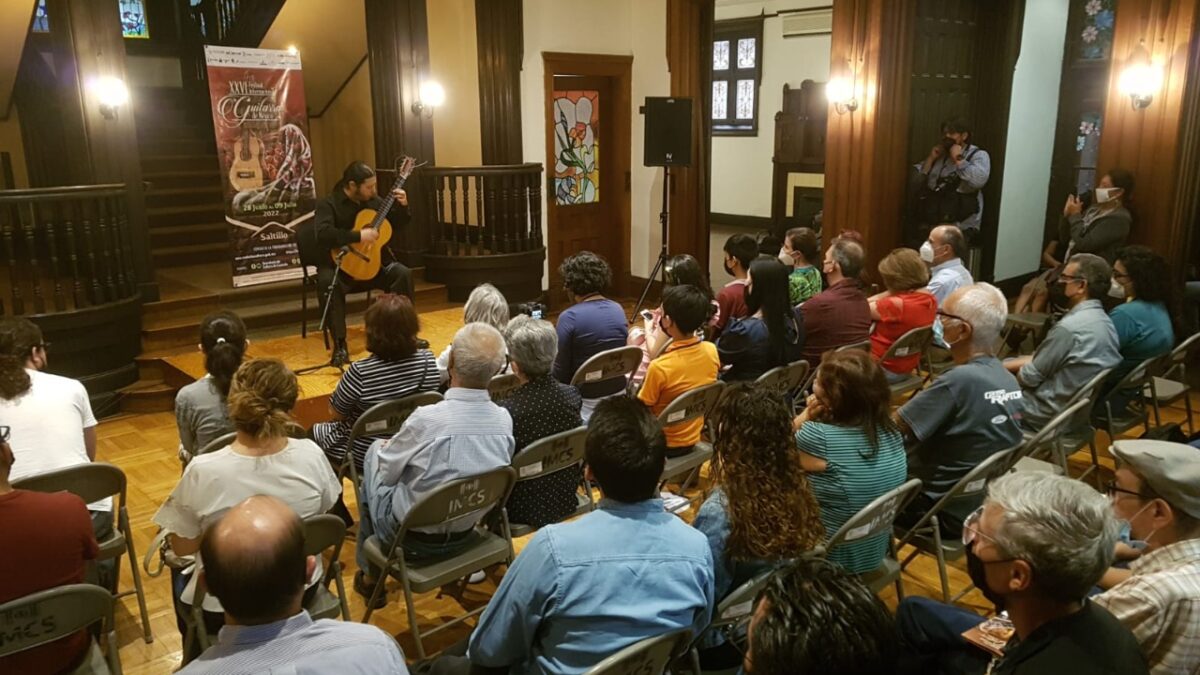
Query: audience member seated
<point x="485" y="304"/>
<point x="1034" y="548"/>
<point x="740" y="252"/>
<point x="464" y="435"/>
<point x="965" y="415"/>
<point x="771" y="336"/>
<point x="682" y="270"/>
<point x="1143" y="323"/>
<point x="584" y="590"/>
<point x="39" y="557"/>
<point x="761" y="510"/>
<point x="200" y="410"/>
<point x="687" y="364"/>
<point x="838" y="315"/>
<point x="944" y="251"/>
<point x="813" y="617"/>
<point x="540" y="407"/>
<point x="905" y="305"/>
<point x="1156" y="499"/>
<point x="589" y="326"/>
<point x="262" y="460"/>
<point x="800" y="250"/>
<point x="255" y="565"/>
<point x="1076" y="349"/>
<point x="850" y="449"/>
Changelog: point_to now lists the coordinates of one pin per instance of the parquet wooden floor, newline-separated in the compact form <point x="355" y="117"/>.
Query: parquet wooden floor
<point x="144" y="447"/>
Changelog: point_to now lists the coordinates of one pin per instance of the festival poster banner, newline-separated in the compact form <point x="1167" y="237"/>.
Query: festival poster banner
<point x="261" y="125"/>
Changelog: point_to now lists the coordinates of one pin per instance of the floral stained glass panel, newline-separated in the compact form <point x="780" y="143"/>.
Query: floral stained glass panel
<point x="721" y="55"/>
<point x="745" y="99"/>
<point x="576" y="147"/>
<point x="745" y="56"/>
<point x="720" y="100"/>
<point x="1096" y="36"/>
<point x="1087" y="145"/>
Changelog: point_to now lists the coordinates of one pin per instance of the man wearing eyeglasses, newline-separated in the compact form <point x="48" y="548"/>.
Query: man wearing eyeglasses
<point x="1156" y="496"/>
<point x="1083" y="343"/>
<point x="1034" y="550"/>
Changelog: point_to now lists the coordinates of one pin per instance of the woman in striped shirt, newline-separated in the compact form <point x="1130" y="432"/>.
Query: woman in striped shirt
<point x="851" y="449"/>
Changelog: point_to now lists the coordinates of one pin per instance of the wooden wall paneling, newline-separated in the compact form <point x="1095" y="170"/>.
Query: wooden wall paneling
<point x="499" y="32"/>
<point x="398" y="49"/>
<point x="945" y="55"/>
<point x="799" y="146"/>
<point x="1185" y="216"/>
<point x="689" y="43"/>
<point x="866" y="151"/>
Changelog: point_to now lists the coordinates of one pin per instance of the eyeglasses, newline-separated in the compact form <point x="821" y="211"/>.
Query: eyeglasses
<point x="1111" y="489"/>
<point x="948" y="315"/>
<point x="5" y="433"/>
<point x="971" y="529"/>
<point x="1069" y="278"/>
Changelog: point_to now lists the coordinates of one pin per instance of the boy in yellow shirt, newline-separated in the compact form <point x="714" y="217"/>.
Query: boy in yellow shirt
<point x="687" y="364"/>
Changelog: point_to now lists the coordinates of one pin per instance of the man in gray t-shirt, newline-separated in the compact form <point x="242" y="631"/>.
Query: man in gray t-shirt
<point x="968" y="413"/>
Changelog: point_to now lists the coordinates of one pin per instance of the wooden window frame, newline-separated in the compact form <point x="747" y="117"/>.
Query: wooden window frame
<point x="733" y="30"/>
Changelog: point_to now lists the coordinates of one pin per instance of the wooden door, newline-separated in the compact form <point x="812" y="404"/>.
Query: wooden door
<point x="587" y="164"/>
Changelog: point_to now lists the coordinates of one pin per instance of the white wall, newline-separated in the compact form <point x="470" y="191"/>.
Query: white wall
<point x="1030" y="145"/>
<point x="637" y="27"/>
<point x="741" y="165"/>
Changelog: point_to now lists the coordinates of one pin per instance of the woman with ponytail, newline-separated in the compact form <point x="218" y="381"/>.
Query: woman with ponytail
<point x="262" y="460"/>
<point x="200" y="409"/>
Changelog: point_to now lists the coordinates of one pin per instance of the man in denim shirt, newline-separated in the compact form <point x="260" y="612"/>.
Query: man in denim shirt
<point x="583" y="590"/>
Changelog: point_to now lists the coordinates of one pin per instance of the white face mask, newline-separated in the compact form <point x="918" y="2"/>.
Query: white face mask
<point x="1105" y="195"/>
<point x="926" y="252"/>
<point x="786" y="258"/>
<point x="1116" y="290"/>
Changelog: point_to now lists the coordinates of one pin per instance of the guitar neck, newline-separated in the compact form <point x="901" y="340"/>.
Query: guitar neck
<point x="387" y="203"/>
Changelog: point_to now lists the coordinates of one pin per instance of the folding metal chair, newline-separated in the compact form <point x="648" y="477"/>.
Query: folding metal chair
<point x="92" y="482"/>
<point x="454" y="501"/>
<point x="559" y="452"/>
<point x="788" y="380"/>
<point x="647" y="657"/>
<point x="217" y="443"/>
<point x="56" y="613"/>
<point x="1038" y="322"/>
<point x="1048" y="437"/>
<point x="913" y="343"/>
<point x="862" y="345"/>
<point x="1172" y="384"/>
<point x="733" y="614"/>
<point x="926" y="534"/>
<point x="608" y="365"/>
<point x="1137" y="380"/>
<point x="502" y="386"/>
<point x="381" y="419"/>
<point x="874" y="519"/>
<point x="698" y="402"/>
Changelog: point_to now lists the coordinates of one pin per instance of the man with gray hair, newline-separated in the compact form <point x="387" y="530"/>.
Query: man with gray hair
<point x="968" y="413"/>
<point x="1083" y="343"/>
<point x="540" y="407"/>
<point x="464" y="435"/>
<point x="838" y="315"/>
<point x="1034" y="549"/>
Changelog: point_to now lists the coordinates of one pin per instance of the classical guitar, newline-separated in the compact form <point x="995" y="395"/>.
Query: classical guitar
<point x="363" y="260"/>
<point x="245" y="171"/>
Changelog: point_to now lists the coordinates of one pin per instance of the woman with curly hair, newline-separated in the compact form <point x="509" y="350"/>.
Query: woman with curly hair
<point x="589" y="326"/>
<point x="1144" y="324"/>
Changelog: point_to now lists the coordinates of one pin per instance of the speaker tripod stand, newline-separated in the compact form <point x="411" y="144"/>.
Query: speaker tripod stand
<point x="664" y="217"/>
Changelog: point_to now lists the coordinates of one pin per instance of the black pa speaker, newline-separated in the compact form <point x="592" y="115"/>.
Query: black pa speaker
<point x="668" y="131"/>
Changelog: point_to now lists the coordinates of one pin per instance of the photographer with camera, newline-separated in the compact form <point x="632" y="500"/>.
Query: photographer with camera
<point x="947" y="186"/>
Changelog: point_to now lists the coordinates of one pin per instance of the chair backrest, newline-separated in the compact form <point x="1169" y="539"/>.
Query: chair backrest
<point x="1057" y="425"/>
<point x="48" y="615"/>
<point x="1179" y="354"/>
<point x="608" y="365"/>
<point x="695" y="403"/>
<point x="787" y="378"/>
<point x="914" y="342"/>
<point x="460" y="498"/>
<point x="864" y="345"/>
<point x="875" y="518"/>
<point x="647" y="657"/>
<point x="502" y="385"/>
<point x="971" y="486"/>
<point x="385" y="419"/>
<point x="322" y="532"/>
<point x="550" y="454"/>
<point x="217" y="443"/>
<point x="1090" y="390"/>
<point x="91" y="482"/>
<point x="295" y="430"/>
<point x="1140" y="377"/>
<point x="740" y="602"/>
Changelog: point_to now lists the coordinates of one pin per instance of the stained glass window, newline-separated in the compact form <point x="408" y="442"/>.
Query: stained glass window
<point x="1096" y="36"/>
<point x="133" y="19"/>
<point x="721" y="55"/>
<point x="1087" y="145"/>
<point x="41" y="21"/>
<point x="576" y="147"/>
<point x="745" y="99"/>
<point x="720" y="98"/>
<point x="746" y="52"/>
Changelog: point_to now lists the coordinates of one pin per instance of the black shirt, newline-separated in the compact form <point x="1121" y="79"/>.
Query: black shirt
<point x="333" y="226"/>
<point x="543" y="407"/>
<point x="1089" y="641"/>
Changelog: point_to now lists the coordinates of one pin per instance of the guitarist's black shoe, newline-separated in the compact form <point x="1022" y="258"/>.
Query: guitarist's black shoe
<point x="341" y="355"/>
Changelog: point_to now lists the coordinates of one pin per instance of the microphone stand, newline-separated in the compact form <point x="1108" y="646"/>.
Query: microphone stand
<point x="325" y="313"/>
<point x="663" y="218"/>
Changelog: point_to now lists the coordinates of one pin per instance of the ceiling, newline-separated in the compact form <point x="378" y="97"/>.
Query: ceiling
<point x="332" y="38"/>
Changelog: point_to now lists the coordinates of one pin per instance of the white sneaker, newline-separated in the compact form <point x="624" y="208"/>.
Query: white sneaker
<point x="477" y="577"/>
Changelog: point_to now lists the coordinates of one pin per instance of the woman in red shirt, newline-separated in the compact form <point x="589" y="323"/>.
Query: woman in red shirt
<point x="904" y="306"/>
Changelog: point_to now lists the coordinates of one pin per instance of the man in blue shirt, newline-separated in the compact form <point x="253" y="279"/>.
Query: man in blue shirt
<point x="583" y="590"/>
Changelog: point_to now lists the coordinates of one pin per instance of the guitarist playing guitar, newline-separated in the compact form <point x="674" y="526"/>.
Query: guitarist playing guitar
<point x="333" y="227"/>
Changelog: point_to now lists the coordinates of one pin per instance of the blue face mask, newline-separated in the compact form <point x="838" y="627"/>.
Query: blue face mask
<point x="1125" y="536"/>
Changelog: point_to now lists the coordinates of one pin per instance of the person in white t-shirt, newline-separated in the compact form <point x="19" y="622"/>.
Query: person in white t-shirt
<point x="262" y="460"/>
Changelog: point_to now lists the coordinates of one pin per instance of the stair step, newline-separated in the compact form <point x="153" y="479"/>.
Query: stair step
<point x="190" y="254"/>
<point x="183" y="196"/>
<point x="167" y="180"/>
<point x="150" y="148"/>
<point x="204" y="161"/>
<point x="185" y="235"/>
<point x="148" y="397"/>
<point x="187" y="214"/>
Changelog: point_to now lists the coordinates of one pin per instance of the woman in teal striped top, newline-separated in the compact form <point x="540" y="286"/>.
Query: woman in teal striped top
<point x="851" y="449"/>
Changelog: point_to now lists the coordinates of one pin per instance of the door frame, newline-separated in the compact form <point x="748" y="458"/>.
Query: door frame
<point x="620" y="69"/>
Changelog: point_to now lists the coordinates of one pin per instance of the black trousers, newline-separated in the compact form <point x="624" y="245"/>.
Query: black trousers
<point x="393" y="278"/>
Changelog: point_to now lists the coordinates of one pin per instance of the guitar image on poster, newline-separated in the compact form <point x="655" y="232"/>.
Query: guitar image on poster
<point x="246" y="172"/>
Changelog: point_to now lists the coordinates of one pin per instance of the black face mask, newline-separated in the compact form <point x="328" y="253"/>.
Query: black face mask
<point x="976" y="570"/>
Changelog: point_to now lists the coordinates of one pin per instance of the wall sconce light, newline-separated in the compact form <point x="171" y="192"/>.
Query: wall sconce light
<point x="293" y="50"/>
<point x="430" y="96"/>
<point x="840" y="92"/>
<point x="112" y="93"/>
<point x="1141" y="79"/>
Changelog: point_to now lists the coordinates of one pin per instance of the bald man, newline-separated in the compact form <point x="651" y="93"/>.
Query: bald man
<point x="944" y="252"/>
<point x="254" y="563"/>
